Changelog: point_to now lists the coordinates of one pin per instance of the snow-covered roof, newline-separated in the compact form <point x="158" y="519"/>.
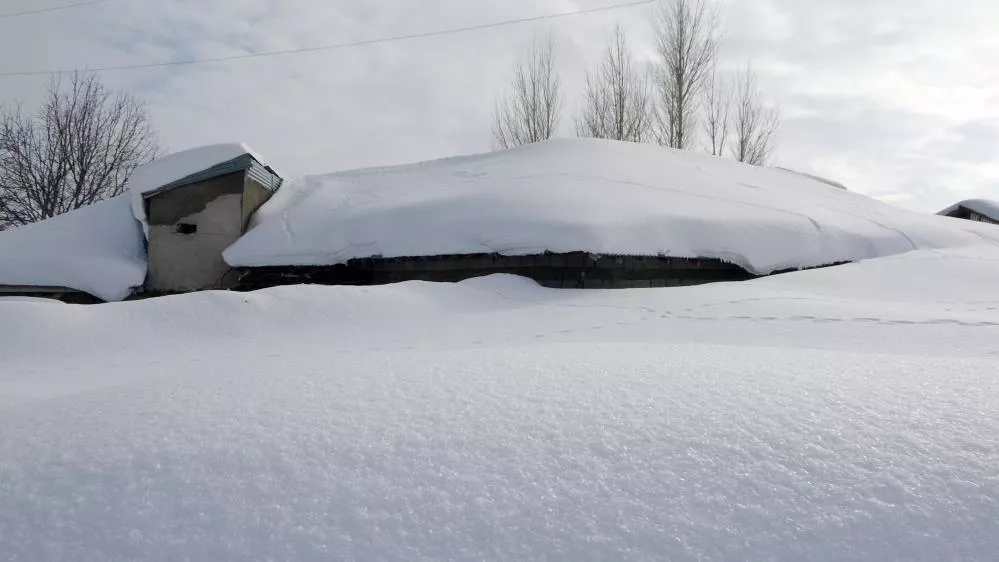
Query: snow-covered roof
<point x="828" y="181"/>
<point x="985" y="207"/>
<point x="99" y="249"/>
<point x="96" y="249"/>
<point x="177" y="166"/>
<point x="587" y="195"/>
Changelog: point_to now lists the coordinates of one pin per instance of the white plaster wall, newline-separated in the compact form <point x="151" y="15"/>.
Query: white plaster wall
<point x="191" y="262"/>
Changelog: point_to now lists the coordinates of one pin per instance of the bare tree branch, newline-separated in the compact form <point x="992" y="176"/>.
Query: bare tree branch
<point x="616" y="105"/>
<point x="80" y="148"/>
<point x="686" y="33"/>
<point x="532" y="110"/>
<point x="756" y="123"/>
<point x="718" y="96"/>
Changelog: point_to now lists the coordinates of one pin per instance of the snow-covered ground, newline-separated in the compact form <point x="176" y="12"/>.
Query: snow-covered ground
<point x="850" y="413"/>
<point x="588" y="195"/>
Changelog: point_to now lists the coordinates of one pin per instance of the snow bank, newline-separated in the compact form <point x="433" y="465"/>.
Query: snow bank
<point x="97" y="249"/>
<point x="178" y="166"/>
<point x="984" y="207"/>
<point x="840" y="413"/>
<point x="587" y="195"/>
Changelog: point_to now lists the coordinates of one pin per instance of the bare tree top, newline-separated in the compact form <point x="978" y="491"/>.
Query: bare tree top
<point x="79" y="148"/>
<point x="686" y="35"/>
<point x="532" y="110"/>
<point x="616" y="104"/>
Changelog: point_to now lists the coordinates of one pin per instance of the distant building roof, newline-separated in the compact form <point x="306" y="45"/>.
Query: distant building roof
<point x="985" y="207"/>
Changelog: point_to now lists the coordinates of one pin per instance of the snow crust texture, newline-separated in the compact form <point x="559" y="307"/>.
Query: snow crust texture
<point x="588" y="195"/>
<point x="97" y="249"/>
<point x="846" y="413"/>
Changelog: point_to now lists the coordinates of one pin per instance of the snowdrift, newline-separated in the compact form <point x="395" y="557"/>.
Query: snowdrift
<point x="97" y="249"/>
<point x="843" y="413"/>
<point x="588" y="195"/>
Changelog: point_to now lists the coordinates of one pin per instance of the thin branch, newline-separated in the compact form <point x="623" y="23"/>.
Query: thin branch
<point x="616" y="104"/>
<point x="80" y="148"/>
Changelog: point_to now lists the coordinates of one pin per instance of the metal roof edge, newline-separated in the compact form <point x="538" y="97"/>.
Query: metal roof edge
<point x="239" y="164"/>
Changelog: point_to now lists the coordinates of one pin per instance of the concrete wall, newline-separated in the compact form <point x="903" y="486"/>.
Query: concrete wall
<point x="193" y="261"/>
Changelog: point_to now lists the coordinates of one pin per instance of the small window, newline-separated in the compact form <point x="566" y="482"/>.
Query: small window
<point x="186" y="228"/>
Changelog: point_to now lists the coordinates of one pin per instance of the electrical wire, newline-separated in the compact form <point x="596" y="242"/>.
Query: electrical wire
<point x="52" y="9"/>
<point x="304" y="50"/>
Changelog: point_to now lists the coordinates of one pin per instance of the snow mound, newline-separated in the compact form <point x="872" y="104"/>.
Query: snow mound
<point x="843" y="413"/>
<point x="178" y="166"/>
<point x="97" y="249"/>
<point x="985" y="207"/>
<point x="587" y="195"/>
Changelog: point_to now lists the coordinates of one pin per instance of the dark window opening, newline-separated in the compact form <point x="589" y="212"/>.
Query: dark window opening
<point x="186" y="228"/>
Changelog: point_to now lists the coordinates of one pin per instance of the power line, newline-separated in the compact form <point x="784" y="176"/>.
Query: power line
<point x="52" y="9"/>
<point x="337" y="45"/>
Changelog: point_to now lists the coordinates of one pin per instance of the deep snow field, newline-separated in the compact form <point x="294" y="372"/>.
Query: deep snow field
<point x="850" y="413"/>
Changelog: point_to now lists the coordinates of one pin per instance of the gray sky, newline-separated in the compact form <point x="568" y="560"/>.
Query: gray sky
<point x="898" y="99"/>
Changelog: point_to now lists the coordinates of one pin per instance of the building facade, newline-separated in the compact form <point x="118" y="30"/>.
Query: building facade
<point x="193" y="220"/>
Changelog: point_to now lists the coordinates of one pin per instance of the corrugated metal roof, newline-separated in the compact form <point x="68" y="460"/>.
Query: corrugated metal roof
<point x="263" y="175"/>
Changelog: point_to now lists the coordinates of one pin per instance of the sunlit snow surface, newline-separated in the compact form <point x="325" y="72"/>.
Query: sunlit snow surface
<point x="850" y="413"/>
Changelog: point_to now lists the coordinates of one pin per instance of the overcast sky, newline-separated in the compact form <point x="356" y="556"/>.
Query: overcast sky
<point x="898" y="99"/>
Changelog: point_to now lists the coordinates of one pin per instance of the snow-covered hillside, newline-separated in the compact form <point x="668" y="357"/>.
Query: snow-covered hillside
<point x="96" y="249"/>
<point x="588" y="195"/>
<point x="844" y="413"/>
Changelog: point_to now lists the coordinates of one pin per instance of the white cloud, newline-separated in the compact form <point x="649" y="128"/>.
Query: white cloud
<point x="894" y="98"/>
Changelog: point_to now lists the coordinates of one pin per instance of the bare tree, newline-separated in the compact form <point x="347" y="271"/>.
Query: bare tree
<point x="686" y="33"/>
<point x="616" y="105"/>
<point x="80" y="148"/>
<point x="755" y="123"/>
<point x="532" y="110"/>
<point x="718" y="96"/>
